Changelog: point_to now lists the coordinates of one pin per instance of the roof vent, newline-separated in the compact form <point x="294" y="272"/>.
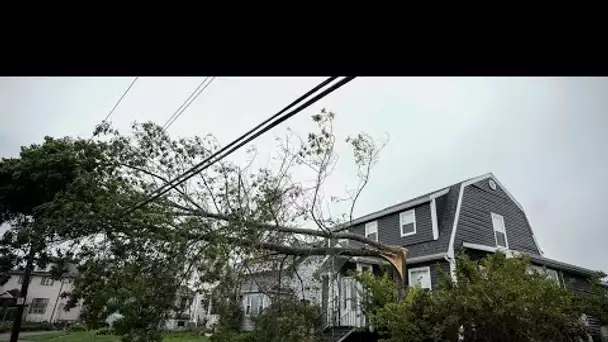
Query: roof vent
<point x="492" y="184"/>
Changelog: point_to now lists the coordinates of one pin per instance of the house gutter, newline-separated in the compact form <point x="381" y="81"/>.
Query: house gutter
<point x="534" y="258"/>
<point x="393" y="209"/>
<point x="425" y="258"/>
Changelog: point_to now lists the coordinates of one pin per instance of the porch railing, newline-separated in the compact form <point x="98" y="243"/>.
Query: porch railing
<point x="338" y="316"/>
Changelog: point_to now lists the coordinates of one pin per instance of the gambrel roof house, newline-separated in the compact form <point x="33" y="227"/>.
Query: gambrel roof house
<point x="477" y="215"/>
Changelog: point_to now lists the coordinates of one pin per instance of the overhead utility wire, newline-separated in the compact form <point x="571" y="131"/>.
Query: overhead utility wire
<point x="194" y="95"/>
<point x="120" y="99"/>
<point x="242" y="140"/>
<point x="251" y="131"/>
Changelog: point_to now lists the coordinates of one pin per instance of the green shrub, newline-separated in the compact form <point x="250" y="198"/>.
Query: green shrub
<point x="35" y="326"/>
<point x="288" y="320"/>
<point x="244" y="337"/>
<point x="104" y="331"/>
<point x="77" y="327"/>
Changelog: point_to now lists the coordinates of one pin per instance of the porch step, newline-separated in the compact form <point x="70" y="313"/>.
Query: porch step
<point x="336" y="334"/>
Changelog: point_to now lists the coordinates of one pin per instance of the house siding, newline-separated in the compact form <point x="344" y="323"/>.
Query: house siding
<point x="475" y="221"/>
<point x="575" y="282"/>
<point x="52" y="293"/>
<point x="389" y="231"/>
<point x="422" y="242"/>
<point x="446" y="209"/>
<point x="305" y="284"/>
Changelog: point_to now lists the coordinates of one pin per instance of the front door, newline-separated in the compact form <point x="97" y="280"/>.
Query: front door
<point x="348" y="302"/>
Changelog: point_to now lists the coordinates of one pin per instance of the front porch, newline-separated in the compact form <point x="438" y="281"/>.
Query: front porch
<point x="342" y="294"/>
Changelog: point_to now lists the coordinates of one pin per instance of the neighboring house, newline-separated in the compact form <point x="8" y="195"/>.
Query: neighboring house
<point x="188" y="301"/>
<point x="186" y="315"/>
<point x="43" y="296"/>
<point x="478" y="216"/>
<point x="297" y="280"/>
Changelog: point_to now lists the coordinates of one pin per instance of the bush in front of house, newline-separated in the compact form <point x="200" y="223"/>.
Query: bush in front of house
<point x="105" y="331"/>
<point x="495" y="299"/>
<point x="288" y="319"/>
<point x="27" y="326"/>
<point x="77" y="327"/>
<point x="245" y="336"/>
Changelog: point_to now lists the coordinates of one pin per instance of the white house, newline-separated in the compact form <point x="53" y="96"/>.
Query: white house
<point x="44" y="302"/>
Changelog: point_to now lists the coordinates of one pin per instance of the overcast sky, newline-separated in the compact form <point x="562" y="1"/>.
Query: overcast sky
<point x="545" y="139"/>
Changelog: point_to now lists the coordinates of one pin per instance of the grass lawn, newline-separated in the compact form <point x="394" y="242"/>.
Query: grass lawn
<point x="86" y="337"/>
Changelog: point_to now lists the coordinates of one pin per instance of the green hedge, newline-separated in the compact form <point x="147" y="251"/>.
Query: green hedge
<point x="27" y="326"/>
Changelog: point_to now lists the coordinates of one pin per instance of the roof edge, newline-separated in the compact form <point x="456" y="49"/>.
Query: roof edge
<point x="534" y="258"/>
<point x="394" y="208"/>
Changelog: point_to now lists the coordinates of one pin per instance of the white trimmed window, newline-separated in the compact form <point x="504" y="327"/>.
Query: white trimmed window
<point x="420" y="276"/>
<point x="371" y="230"/>
<point x="46" y="281"/>
<point x="407" y="222"/>
<point x="38" y="305"/>
<point x="500" y="233"/>
<point x="255" y="303"/>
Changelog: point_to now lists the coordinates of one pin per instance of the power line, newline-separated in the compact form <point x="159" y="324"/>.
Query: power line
<point x="234" y="142"/>
<point x="301" y="98"/>
<point x="120" y="99"/>
<point x="242" y="140"/>
<point x="184" y="103"/>
<point x="187" y="104"/>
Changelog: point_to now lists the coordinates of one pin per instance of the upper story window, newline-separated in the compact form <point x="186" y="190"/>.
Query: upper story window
<point x="407" y="222"/>
<point x="420" y="276"/>
<point x="46" y="281"/>
<point x="498" y="222"/>
<point x="371" y="230"/>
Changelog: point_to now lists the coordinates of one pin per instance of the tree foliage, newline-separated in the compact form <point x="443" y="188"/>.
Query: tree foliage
<point x="288" y="319"/>
<point x="595" y="301"/>
<point x="496" y="299"/>
<point x="134" y="261"/>
<point x="56" y="171"/>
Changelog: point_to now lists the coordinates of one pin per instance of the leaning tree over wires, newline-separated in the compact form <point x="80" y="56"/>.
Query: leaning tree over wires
<point x="134" y="261"/>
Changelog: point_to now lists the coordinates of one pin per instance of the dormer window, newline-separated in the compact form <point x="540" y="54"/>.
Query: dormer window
<point x="407" y="222"/>
<point x="500" y="233"/>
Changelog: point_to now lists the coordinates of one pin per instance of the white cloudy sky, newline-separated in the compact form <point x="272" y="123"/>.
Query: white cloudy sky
<point x="544" y="138"/>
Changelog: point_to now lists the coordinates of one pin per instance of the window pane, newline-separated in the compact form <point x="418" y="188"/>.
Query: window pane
<point x="500" y="239"/>
<point x="344" y="294"/>
<point x="373" y="236"/>
<point x="38" y="305"/>
<point x="417" y="278"/>
<point x="353" y="295"/>
<point x="371" y="227"/>
<point x="255" y="303"/>
<point x="407" y="228"/>
<point x="420" y="278"/>
<point x="407" y="217"/>
<point x="498" y="223"/>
